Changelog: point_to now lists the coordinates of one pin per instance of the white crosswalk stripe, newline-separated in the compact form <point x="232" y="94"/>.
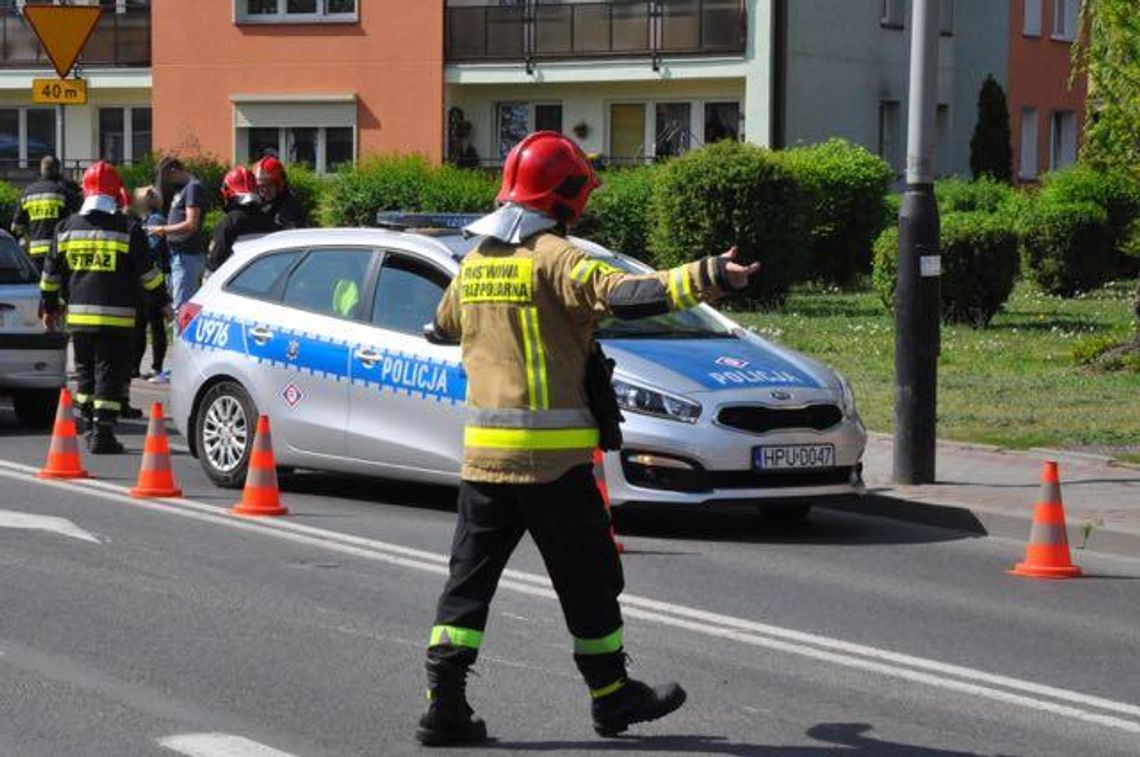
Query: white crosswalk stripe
<point x="218" y="745"/>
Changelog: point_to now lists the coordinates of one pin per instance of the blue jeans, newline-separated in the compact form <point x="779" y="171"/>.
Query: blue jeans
<point x="185" y="276"/>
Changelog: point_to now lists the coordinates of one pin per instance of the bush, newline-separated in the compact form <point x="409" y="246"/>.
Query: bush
<point x="991" y="151"/>
<point x="9" y="203"/>
<point x="847" y="188"/>
<point x="979" y="266"/>
<point x="619" y="216"/>
<point x="960" y="196"/>
<point x="726" y="194"/>
<point x="1117" y="192"/>
<point x="1068" y="247"/>
<point x="308" y="187"/>
<point x="404" y="182"/>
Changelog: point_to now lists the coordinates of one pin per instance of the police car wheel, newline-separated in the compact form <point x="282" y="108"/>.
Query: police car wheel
<point x="35" y="408"/>
<point x="223" y="432"/>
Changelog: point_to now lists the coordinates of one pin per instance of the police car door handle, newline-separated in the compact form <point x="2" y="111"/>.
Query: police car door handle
<point x="260" y="335"/>
<point x="367" y="357"/>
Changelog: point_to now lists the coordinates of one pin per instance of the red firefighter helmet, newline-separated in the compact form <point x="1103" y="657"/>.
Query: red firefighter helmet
<point x="239" y="184"/>
<point x="101" y="178"/>
<point x="273" y="169"/>
<point x="548" y="172"/>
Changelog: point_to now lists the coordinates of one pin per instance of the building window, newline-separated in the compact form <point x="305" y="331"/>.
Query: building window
<point x="890" y="134"/>
<point x="627" y="133"/>
<point x="892" y="17"/>
<point x="515" y="120"/>
<point x="1063" y="151"/>
<point x="946" y="18"/>
<point x="1065" y="19"/>
<point x="1028" y="157"/>
<point x="1031" y="22"/>
<point x="319" y="148"/>
<point x="124" y="134"/>
<point x="722" y="121"/>
<point x="674" y="129"/>
<point x="26" y="135"/>
<point x="942" y="140"/>
<point x="295" y="11"/>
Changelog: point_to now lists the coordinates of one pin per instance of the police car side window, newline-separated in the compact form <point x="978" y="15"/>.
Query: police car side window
<point x="407" y="294"/>
<point x="261" y="277"/>
<point x="330" y="282"/>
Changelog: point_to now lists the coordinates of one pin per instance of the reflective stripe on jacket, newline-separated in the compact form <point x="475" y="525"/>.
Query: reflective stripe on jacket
<point x="103" y="270"/>
<point x="525" y="316"/>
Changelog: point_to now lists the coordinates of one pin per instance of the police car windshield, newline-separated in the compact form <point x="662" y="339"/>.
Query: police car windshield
<point x="695" y="323"/>
<point x="15" y="268"/>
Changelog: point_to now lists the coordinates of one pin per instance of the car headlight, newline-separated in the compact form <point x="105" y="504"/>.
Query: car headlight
<point x="847" y="398"/>
<point x="638" y="399"/>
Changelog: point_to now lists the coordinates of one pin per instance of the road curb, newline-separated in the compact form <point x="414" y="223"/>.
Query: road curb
<point x="961" y="516"/>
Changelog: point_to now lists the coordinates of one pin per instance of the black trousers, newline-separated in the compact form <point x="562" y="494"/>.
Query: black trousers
<point x="568" y="521"/>
<point x="103" y="361"/>
<point x="149" y="320"/>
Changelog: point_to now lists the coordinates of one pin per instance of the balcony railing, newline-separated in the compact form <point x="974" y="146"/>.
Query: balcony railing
<point x="528" y="31"/>
<point x="122" y="39"/>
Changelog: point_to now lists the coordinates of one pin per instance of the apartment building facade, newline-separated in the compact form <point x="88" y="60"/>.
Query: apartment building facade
<point x="1046" y="102"/>
<point x="116" y="123"/>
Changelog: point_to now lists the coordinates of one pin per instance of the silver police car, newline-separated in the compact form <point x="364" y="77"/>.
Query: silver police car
<point x="322" y="330"/>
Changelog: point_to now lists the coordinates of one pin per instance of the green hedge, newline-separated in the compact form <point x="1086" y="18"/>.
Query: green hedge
<point x="9" y="202"/>
<point x="728" y="194"/>
<point x="961" y="196"/>
<point x="404" y="182"/>
<point x="979" y="266"/>
<point x="1068" y="246"/>
<point x="619" y="214"/>
<point x="847" y="190"/>
<point x="1117" y="193"/>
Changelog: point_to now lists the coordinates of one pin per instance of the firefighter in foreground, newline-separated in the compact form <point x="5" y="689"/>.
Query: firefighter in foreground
<point x="102" y="267"/>
<point x="44" y="204"/>
<point x="524" y="307"/>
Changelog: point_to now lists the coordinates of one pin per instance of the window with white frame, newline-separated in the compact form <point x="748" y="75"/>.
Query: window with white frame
<point x="890" y="134"/>
<point x="1065" y="19"/>
<point x="26" y="135"/>
<point x="124" y="134"/>
<point x="642" y="131"/>
<point x="1027" y="160"/>
<point x="893" y="14"/>
<point x="296" y="11"/>
<point x="1063" y="150"/>
<point x="1031" y="21"/>
<point x="320" y="134"/>
<point x="514" y="120"/>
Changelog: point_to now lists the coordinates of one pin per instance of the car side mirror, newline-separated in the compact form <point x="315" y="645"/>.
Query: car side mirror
<point x="435" y="336"/>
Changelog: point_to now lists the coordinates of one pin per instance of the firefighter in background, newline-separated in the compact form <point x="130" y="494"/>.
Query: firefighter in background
<point x="524" y="307"/>
<point x="281" y="205"/>
<point x="103" y="265"/>
<point x="244" y="215"/>
<point x="44" y="204"/>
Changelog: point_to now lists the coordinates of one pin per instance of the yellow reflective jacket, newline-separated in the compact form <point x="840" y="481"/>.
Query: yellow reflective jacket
<point x="525" y="316"/>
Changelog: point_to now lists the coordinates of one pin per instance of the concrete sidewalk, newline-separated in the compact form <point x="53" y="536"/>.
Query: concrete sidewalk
<point x="988" y="490"/>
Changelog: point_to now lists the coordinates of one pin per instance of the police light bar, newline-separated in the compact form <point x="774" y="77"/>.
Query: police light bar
<point x="398" y="220"/>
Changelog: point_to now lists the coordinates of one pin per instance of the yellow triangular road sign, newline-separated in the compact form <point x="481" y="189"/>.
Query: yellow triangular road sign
<point x="63" y="30"/>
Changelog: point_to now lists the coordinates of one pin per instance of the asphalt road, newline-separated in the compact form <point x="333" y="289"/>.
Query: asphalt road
<point x="139" y="628"/>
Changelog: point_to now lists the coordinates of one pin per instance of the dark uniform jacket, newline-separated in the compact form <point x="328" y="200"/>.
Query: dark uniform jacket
<point x="101" y="267"/>
<point x="43" y="206"/>
<point x="236" y="223"/>
<point x="286" y="212"/>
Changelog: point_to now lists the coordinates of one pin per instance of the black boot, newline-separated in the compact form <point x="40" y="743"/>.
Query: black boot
<point x="84" y="422"/>
<point x="449" y="720"/>
<point x="130" y="412"/>
<point x="618" y="701"/>
<point x="101" y="440"/>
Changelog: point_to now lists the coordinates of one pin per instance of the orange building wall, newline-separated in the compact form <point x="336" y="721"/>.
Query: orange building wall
<point x="392" y="59"/>
<point x="1039" y="77"/>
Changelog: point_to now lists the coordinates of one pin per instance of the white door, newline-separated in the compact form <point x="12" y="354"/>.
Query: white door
<point x="407" y="395"/>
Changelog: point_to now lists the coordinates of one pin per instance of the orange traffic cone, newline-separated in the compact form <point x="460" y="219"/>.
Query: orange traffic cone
<point x="63" y="455"/>
<point x="1047" y="555"/>
<point x="261" y="496"/>
<point x="600" y="478"/>
<point x="156" y="479"/>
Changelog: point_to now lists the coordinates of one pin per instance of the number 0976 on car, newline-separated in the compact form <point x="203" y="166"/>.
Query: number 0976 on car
<point x="793" y="456"/>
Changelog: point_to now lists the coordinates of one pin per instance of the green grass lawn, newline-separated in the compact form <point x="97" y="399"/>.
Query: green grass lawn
<point x="1015" y="384"/>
